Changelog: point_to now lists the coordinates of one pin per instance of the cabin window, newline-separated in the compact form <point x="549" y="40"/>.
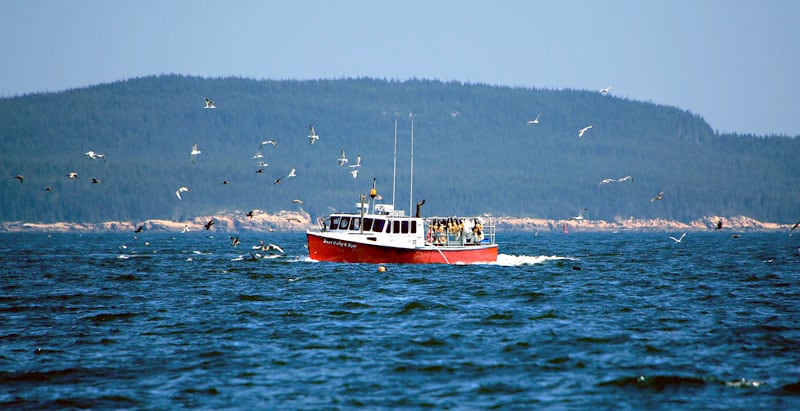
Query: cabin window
<point x="367" y="224"/>
<point x="413" y="227"/>
<point x="379" y="225"/>
<point x="344" y="223"/>
<point x="355" y="223"/>
<point x="404" y="227"/>
<point x="396" y="226"/>
<point x="334" y="223"/>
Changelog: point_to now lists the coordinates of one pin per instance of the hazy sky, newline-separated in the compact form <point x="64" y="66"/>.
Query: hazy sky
<point x="736" y="63"/>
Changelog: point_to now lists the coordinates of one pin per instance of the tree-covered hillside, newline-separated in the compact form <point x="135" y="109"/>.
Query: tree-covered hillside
<point x="474" y="152"/>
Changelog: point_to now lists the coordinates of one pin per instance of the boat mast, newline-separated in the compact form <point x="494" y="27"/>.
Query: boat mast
<point x="411" y="194"/>
<point x="394" y="165"/>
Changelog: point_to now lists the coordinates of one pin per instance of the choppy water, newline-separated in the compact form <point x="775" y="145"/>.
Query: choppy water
<point x="578" y="321"/>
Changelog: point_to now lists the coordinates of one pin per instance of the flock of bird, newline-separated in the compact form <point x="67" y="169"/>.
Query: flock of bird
<point x="195" y="154"/>
<point x="581" y="132"/>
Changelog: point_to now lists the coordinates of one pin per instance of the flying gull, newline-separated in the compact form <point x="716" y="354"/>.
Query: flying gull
<point x="618" y="180"/>
<point x="354" y="173"/>
<point x="583" y="130"/>
<point x="209" y="103"/>
<point x="181" y="190"/>
<point x="579" y="217"/>
<point x="678" y="240"/>
<point x="73" y="175"/>
<point x="604" y="90"/>
<point x="658" y="197"/>
<point x="358" y="162"/>
<point x="195" y="152"/>
<point x="265" y="142"/>
<point x="19" y="177"/>
<point x="94" y="156"/>
<point x="342" y="159"/>
<point x="297" y="201"/>
<point x="291" y="173"/>
<point x="536" y="120"/>
<point x="312" y="137"/>
<point x="96" y="180"/>
<point x="209" y="224"/>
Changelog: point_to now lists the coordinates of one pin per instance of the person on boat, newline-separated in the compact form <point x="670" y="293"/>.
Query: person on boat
<point x="477" y="231"/>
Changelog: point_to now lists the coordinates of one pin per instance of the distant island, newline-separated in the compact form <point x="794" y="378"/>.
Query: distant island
<point x="290" y="221"/>
<point x="100" y="156"/>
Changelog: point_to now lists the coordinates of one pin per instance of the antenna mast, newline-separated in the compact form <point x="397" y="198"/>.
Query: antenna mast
<point x="394" y="165"/>
<point x="411" y="194"/>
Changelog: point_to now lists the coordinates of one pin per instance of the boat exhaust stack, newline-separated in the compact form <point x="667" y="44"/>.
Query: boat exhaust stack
<point x="419" y="208"/>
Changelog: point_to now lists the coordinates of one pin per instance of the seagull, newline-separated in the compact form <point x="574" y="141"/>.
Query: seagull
<point x="291" y="173"/>
<point x="618" y="180"/>
<point x="719" y="225"/>
<point x="454" y="113"/>
<point x="277" y="181"/>
<point x="273" y="142"/>
<point x="94" y="156"/>
<point x="194" y="153"/>
<point x="604" y="90"/>
<point x="536" y="120"/>
<point x="579" y="217"/>
<point x="225" y="182"/>
<point x="209" y="103"/>
<point x="583" y="130"/>
<point x="358" y="162"/>
<point x="73" y="175"/>
<point x="271" y="247"/>
<point x="313" y="137"/>
<point x="297" y="201"/>
<point x="797" y="224"/>
<point x="678" y="240"/>
<point x="260" y="170"/>
<point x="19" y="177"/>
<point x="251" y="213"/>
<point x="181" y="190"/>
<point x="234" y="241"/>
<point x="354" y="173"/>
<point x="96" y="181"/>
<point x="263" y="164"/>
<point x="342" y="159"/>
<point x="48" y="188"/>
<point x="209" y="224"/>
<point x="658" y="197"/>
<point x="139" y="229"/>
<point x="185" y="228"/>
<point x="258" y="155"/>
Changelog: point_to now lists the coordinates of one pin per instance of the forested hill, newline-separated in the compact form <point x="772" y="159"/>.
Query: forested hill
<point x="474" y="152"/>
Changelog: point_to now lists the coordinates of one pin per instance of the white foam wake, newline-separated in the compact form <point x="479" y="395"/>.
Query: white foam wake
<point x="507" y="260"/>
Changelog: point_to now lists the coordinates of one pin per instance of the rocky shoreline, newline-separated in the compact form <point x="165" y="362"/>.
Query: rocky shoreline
<point x="294" y="221"/>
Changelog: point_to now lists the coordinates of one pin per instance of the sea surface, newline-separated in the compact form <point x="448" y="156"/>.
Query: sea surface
<point x="577" y="321"/>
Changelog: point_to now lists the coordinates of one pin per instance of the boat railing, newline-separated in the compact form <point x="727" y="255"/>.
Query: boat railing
<point x="442" y="234"/>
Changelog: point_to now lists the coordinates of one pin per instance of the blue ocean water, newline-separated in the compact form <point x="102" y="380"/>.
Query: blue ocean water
<point x="578" y="321"/>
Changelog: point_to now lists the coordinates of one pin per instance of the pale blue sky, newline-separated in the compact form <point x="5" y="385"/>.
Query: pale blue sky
<point x="736" y="63"/>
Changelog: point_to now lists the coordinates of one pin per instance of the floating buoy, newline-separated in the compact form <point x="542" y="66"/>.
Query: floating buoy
<point x="381" y="269"/>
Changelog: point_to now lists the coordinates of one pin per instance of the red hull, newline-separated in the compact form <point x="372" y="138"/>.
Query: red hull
<point x="342" y="251"/>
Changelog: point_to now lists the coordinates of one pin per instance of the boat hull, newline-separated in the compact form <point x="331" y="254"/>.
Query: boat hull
<point x="321" y="248"/>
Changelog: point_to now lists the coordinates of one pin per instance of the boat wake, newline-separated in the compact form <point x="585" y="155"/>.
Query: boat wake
<point x="507" y="260"/>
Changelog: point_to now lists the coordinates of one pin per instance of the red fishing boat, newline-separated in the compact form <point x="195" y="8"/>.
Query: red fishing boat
<point x="385" y="235"/>
<point x="378" y="233"/>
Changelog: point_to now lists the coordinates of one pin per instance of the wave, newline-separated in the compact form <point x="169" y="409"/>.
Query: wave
<point x="510" y="260"/>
